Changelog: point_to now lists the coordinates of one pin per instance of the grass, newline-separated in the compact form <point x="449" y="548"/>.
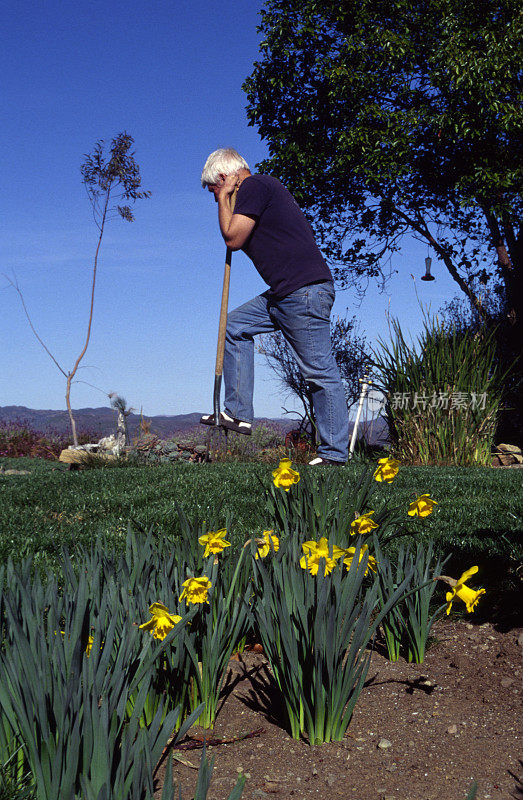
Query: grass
<point x="478" y="516"/>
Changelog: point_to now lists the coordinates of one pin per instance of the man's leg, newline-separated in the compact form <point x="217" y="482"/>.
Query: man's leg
<point x="304" y="319"/>
<point x="243" y="324"/>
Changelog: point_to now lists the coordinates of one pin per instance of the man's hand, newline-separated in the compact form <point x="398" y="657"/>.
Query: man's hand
<point x="229" y="184"/>
<point x="235" y="228"/>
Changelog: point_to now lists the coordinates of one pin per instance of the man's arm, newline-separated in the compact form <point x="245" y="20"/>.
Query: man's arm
<point x="235" y="228"/>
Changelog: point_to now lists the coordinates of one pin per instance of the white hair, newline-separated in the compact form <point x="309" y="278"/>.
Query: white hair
<point x="224" y="161"/>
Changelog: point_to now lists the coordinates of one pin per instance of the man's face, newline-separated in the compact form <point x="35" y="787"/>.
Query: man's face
<point x="214" y="188"/>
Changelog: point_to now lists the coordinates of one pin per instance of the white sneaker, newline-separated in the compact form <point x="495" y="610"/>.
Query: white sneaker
<point x="329" y="462"/>
<point x="225" y="421"/>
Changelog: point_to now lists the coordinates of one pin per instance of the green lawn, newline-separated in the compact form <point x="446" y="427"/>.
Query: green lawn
<point x="479" y="512"/>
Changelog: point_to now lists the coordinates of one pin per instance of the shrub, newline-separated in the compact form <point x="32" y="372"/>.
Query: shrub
<point x="18" y="439"/>
<point x="443" y="397"/>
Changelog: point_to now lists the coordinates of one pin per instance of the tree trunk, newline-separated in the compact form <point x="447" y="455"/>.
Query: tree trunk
<point x="69" y="409"/>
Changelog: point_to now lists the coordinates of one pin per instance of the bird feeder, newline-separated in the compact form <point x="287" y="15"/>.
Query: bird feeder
<point x="428" y="276"/>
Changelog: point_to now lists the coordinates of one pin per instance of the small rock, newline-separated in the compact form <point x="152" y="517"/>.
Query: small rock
<point x="520" y="639"/>
<point x="314" y="771"/>
<point x="460" y="661"/>
<point x="452" y="729"/>
<point x="506" y="682"/>
<point x="469" y="626"/>
<point x="384" y="744"/>
<point x="330" y="779"/>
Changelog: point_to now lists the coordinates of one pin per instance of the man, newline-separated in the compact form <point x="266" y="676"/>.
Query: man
<point x="270" y="228"/>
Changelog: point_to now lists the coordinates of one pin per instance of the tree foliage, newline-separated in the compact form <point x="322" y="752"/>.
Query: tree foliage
<point x="349" y="352"/>
<point x="394" y="117"/>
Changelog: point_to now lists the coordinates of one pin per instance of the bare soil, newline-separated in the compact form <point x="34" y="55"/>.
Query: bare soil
<point x="419" y="732"/>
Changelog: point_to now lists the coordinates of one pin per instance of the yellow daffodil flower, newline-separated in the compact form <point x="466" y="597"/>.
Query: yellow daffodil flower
<point x="314" y="551"/>
<point x="268" y="541"/>
<point x="214" y="542"/>
<point x="363" y="525"/>
<point x="350" y="553"/>
<point x="195" y="590"/>
<point x="89" y="645"/>
<point x="387" y="470"/>
<point x="161" y="622"/>
<point x="421" y="507"/>
<point x="469" y="596"/>
<point x="284" y="476"/>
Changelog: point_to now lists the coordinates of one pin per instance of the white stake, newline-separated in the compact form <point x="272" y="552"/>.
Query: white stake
<point x="364" y="387"/>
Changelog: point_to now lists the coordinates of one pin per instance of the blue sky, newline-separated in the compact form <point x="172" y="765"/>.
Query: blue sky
<point x="170" y="74"/>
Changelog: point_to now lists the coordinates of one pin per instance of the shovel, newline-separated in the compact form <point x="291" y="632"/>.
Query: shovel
<point x="220" y="349"/>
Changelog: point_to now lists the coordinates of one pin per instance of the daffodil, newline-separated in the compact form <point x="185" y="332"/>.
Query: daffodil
<point x="195" y="590"/>
<point x="387" y="470"/>
<point x="284" y="476"/>
<point x="214" y="542"/>
<point x="421" y="507"/>
<point x="89" y="645"/>
<point x="314" y="551"/>
<point x="161" y="622"/>
<point x="458" y="589"/>
<point x="350" y="553"/>
<point x="268" y="541"/>
<point x="363" y="524"/>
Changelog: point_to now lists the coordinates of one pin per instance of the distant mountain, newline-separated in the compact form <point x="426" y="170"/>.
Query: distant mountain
<point x="98" y="422"/>
<point x="102" y="421"/>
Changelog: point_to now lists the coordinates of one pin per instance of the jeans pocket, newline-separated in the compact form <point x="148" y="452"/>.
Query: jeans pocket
<point x="325" y="300"/>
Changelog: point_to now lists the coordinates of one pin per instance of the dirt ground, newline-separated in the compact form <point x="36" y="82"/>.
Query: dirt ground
<point x="419" y="732"/>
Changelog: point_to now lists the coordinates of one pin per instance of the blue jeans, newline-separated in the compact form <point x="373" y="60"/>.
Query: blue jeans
<point x="303" y="317"/>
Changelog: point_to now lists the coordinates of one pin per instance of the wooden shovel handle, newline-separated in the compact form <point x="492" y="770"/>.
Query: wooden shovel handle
<point x="225" y="302"/>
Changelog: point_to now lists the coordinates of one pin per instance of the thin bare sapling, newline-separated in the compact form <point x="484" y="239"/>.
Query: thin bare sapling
<point x="109" y="178"/>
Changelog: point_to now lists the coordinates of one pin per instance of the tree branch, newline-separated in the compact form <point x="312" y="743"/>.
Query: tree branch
<point x="17" y="289"/>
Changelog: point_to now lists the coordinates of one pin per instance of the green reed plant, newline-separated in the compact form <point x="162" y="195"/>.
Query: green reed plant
<point x="315" y="630"/>
<point x="216" y="630"/>
<point x="15" y="779"/>
<point x="325" y="503"/>
<point x="443" y="393"/>
<point x="66" y="694"/>
<point x="204" y="780"/>
<point x="144" y="573"/>
<point x="407" y="626"/>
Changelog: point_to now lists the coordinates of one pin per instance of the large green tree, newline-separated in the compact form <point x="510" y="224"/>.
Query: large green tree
<point x="395" y="117"/>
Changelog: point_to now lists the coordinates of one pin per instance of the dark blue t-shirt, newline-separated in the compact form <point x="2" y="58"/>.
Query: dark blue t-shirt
<point x="282" y="244"/>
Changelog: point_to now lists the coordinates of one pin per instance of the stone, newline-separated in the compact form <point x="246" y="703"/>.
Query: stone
<point x="452" y="729"/>
<point x="14" y="471"/>
<point x="509" y="448"/>
<point x="506" y="682"/>
<point x="106" y="442"/>
<point x="170" y="447"/>
<point x="506" y="459"/>
<point x="384" y="744"/>
<point x="519" y="640"/>
<point x="330" y="779"/>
